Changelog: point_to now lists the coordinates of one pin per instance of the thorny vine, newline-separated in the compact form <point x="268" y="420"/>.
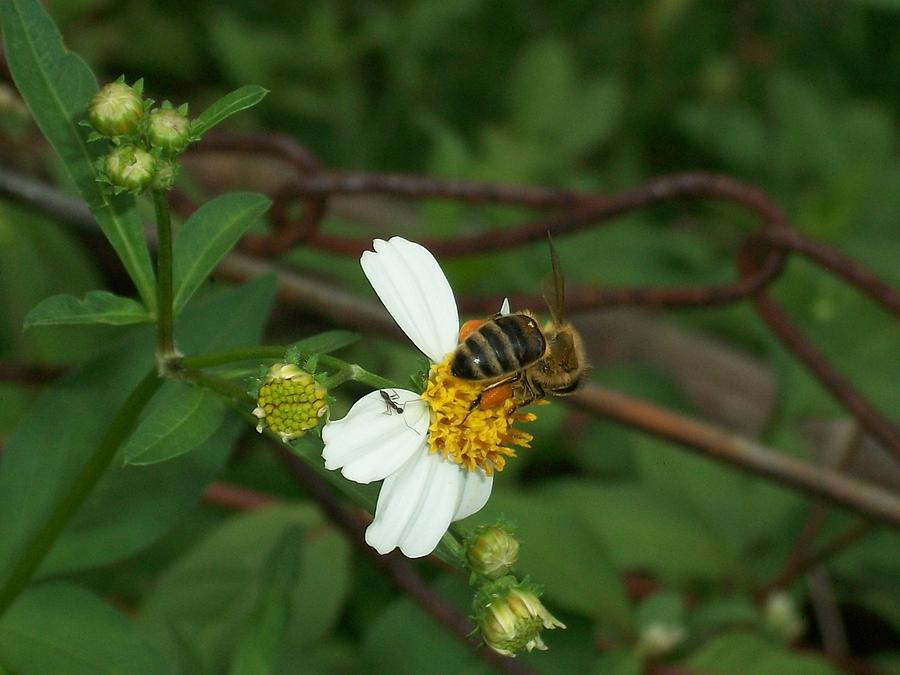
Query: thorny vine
<point x="760" y="260"/>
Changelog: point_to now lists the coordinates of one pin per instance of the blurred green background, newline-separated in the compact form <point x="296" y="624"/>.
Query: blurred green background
<point x="799" y="98"/>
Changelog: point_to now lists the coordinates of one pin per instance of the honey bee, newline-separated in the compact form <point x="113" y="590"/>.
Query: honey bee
<point x="520" y="359"/>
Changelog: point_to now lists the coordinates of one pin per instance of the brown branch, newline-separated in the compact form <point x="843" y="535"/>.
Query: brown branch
<point x="816" y="517"/>
<point x="833" y="381"/>
<point x="28" y="373"/>
<point x="718" y="444"/>
<point x="801" y="566"/>
<point x="236" y="497"/>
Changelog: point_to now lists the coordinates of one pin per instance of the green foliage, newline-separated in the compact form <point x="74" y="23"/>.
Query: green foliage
<point x="214" y="597"/>
<point x="230" y="104"/>
<point x="747" y="654"/>
<point x="178" y="419"/>
<point x="58" y="627"/>
<point x="132" y="506"/>
<point x="210" y="232"/>
<point x="96" y="307"/>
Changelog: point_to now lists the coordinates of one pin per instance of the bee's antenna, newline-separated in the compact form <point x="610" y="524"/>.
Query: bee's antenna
<point x="555" y="286"/>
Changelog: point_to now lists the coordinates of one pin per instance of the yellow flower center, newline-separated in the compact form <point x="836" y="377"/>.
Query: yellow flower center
<point x="474" y="438"/>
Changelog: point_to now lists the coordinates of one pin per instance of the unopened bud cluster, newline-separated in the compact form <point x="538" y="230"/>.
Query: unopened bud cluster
<point x="145" y="140"/>
<point x="508" y="612"/>
<point x="290" y="402"/>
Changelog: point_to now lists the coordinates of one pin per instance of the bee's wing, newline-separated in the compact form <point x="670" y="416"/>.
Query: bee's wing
<point x="554" y="287"/>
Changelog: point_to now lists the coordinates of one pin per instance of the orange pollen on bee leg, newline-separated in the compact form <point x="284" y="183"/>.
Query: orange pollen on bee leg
<point x="474" y="438"/>
<point x="470" y="327"/>
<point x="495" y="396"/>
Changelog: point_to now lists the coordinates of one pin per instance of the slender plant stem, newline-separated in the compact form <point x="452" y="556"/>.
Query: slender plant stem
<point x="38" y="547"/>
<point x="355" y="372"/>
<point x="220" y="385"/>
<point x="165" y="323"/>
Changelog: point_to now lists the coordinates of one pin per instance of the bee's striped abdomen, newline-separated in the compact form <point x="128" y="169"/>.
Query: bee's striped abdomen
<point x="501" y="346"/>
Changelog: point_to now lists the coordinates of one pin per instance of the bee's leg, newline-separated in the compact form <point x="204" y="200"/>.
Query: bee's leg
<point x="528" y="391"/>
<point x="493" y="387"/>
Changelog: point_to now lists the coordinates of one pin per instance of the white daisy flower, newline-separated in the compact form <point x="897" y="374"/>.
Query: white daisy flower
<point x="436" y="454"/>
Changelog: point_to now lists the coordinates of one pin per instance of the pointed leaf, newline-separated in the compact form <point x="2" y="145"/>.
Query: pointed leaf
<point x="178" y="419"/>
<point x="208" y="235"/>
<point x="95" y="307"/>
<point x="60" y="628"/>
<point x="57" y="86"/>
<point x="212" y="592"/>
<point x="228" y="105"/>
<point x="257" y="648"/>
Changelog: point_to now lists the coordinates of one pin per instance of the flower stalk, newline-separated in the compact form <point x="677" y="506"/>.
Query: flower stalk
<point x="165" y="320"/>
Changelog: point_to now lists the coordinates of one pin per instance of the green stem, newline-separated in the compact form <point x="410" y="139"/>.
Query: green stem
<point x="38" y="547"/>
<point x="165" y="322"/>
<point x="356" y="373"/>
<point x="220" y="385"/>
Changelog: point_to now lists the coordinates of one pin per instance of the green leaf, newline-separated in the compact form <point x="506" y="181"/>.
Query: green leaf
<point x="58" y="627"/>
<point x="178" y="419"/>
<point x="749" y="654"/>
<point x="131" y="506"/>
<point x="57" y="86"/>
<point x="618" y="662"/>
<point x="257" y="647"/>
<point x="95" y="307"/>
<point x="211" y="593"/>
<point x="560" y="553"/>
<point x="718" y="612"/>
<point x="642" y="531"/>
<point x="715" y="497"/>
<point x="665" y="607"/>
<point x="39" y="258"/>
<point x="402" y="638"/>
<point x="208" y="235"/>
<point x="238" y="100"/>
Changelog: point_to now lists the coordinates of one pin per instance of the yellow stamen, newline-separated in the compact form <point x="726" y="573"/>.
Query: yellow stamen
<point x="471" y="437"/>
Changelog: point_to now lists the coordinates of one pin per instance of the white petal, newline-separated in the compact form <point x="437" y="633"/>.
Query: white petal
<point x="401" y="496"/>
<point x="431" y="522"/>
<point x="415" y="506"/>
<point x="373" y="440"/>
<point x="504" y="308"/>
<point x="475" y="494"/>
<point x="412" y="287"/>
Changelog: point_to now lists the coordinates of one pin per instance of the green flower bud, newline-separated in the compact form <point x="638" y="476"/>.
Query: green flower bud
<point x="290" y="402"/>
<point x="116" y="109"/>
<point x="492" y="551"/>
<point x="166" y="173"/>
<point x="510" y="617"/>
<point x="782" y="617"/>
<point x="168" y="129"/>
<point x="130" y="167"/>
<point x="658" y="639"/>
